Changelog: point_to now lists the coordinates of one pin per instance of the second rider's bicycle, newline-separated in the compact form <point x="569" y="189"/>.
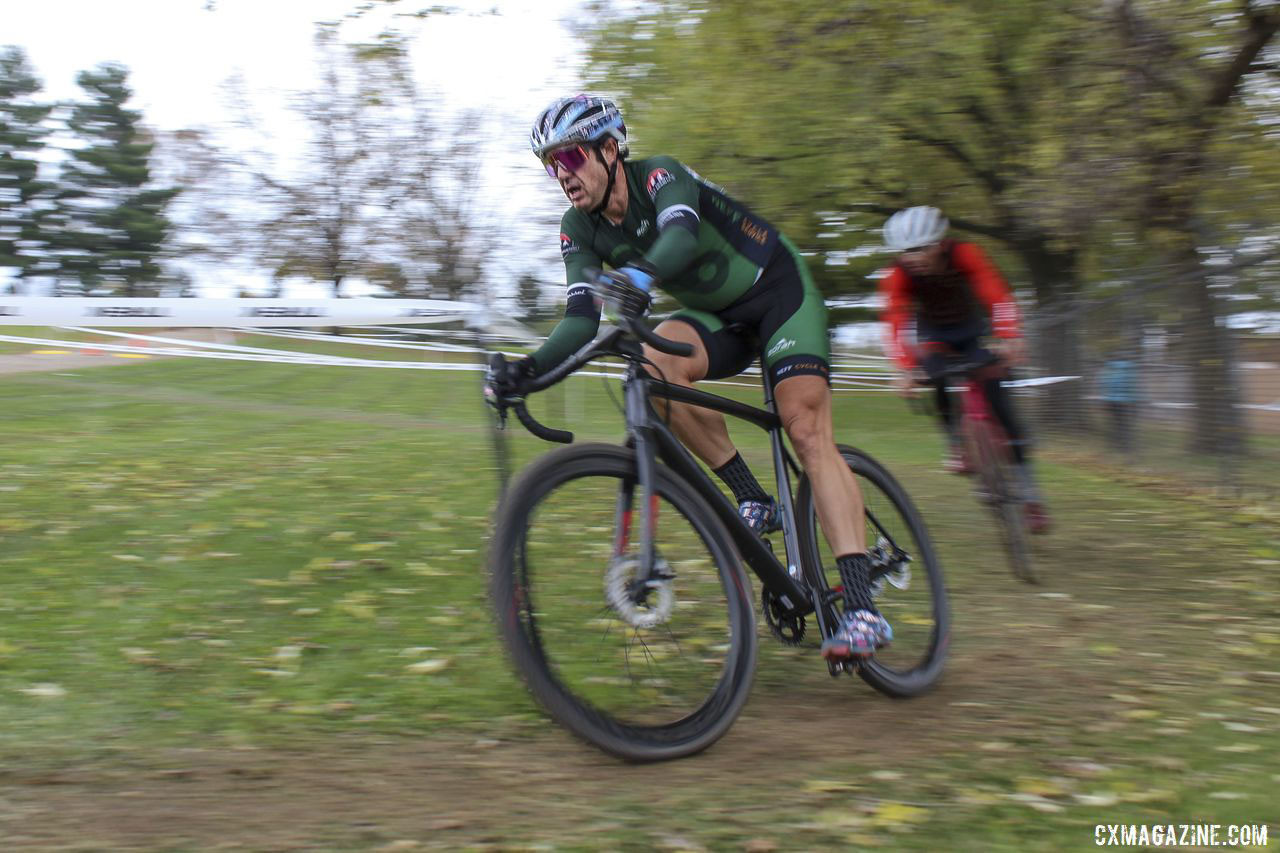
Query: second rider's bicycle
<point x="988" y="452"/>
<point x="616" y="571"/>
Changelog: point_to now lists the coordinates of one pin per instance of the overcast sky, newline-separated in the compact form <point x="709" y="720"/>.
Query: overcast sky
<point x="180" y="53"/>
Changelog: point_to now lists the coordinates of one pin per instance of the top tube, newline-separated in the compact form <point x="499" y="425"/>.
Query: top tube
<point x="613" y="342"/>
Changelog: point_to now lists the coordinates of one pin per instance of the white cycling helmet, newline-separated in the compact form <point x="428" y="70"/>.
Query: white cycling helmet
<point x="582" y="118"/>
<point x="915" y="227"/>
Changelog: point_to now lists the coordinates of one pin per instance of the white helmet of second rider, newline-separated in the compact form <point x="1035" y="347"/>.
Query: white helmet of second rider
<point x="915" y="227"/>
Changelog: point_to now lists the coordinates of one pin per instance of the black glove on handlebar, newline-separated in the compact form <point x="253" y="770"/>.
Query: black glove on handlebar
<point x="505" y="379"/>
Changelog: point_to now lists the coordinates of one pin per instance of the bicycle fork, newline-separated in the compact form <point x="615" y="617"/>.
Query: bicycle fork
<point x="640" y="438"/>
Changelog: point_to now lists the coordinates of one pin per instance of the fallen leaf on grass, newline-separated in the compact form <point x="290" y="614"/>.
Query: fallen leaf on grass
<point x="1239" y="747"/>
<point x="1241" y="727"/>
<point x="1155" y="795"/>
<point x="1040" y="787"/>
<point x="428" y="666"/>
<point x="1098" y="800"/>
<point x="142" y="657"/>
<point x="1036" y="802"/>
<point x="426" y="571"/>
<point x="44" y="691"/>
<point x="828" y="786"/>
<point x="895" y="815"/>
<point x="1141" y="714"/>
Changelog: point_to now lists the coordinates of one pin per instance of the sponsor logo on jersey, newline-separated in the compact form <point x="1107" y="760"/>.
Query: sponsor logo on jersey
<point x="657" y="179"/>
<point x="808" y="367"/>
<point x="758" y="233"/>
<point x="644" y="226"/>
<point x="781" y="346"/>
<point x="567" y="246"/>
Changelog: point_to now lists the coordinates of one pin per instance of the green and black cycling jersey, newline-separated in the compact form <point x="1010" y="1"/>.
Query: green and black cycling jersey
<point x="706" y="250"/>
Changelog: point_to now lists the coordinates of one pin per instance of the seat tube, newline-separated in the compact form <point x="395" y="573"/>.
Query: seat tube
<point x="975" y="400"/>
<point x="790" y="537"/>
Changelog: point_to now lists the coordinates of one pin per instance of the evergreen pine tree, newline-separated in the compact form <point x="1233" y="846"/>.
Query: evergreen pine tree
<point x="111" y="223"/>
<point x="22" y="136"/>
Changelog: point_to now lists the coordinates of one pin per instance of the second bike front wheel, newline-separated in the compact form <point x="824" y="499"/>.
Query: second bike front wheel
<point x="999" y="483"/>
<point x="646" y="670"/>
<point x="907" y="577"/>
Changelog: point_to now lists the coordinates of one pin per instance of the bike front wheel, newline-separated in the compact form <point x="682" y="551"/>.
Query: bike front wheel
<point x="906" y="577"/>
<point x="646" y="664"/>
<point x="1000" y="491"/>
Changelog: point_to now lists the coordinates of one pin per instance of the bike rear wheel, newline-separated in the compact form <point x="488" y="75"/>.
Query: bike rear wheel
<point x="999" y="482"/>
<point x="644" y="672"/>
<point x="912" y="595"/>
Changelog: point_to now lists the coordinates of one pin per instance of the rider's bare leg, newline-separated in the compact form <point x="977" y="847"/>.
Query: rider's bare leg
<point x="804" y="403"/>
<point x="702" y="430"/>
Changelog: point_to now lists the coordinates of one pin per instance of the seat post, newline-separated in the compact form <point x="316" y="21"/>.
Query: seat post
<point x="767" y="381"/>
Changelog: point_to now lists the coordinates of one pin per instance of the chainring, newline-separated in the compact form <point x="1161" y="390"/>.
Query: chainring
<point x="788" y="630"/>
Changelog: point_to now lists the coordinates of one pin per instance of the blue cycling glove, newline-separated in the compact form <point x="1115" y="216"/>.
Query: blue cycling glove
<point x="629" y="288"/>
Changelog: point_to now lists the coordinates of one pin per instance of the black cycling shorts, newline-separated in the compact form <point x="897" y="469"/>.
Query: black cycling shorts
<point x="781" y="320"/>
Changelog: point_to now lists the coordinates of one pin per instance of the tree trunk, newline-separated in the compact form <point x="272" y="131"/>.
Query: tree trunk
<point x="1055" y="331"/>
<point x="1217" y="425"/>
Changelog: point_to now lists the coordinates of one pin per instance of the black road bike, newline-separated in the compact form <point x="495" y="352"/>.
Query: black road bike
<point x="616" y="571"/>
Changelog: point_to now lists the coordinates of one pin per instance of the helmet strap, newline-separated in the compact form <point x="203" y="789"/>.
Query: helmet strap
<point x="608" y="188"/>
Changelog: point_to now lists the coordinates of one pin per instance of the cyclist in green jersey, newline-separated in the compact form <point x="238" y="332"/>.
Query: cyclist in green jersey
<point x="745" y="294"/>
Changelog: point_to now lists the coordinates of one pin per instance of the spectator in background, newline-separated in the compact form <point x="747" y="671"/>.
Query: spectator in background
<point x="1118" y="384"/>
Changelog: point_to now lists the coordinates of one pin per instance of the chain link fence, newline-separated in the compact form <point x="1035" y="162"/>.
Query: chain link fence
<point x="1177" y="377"/>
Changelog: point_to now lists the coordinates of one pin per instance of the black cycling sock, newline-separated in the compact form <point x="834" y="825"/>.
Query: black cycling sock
<point x="738" y="477"/>
<point x="855" y="574"/>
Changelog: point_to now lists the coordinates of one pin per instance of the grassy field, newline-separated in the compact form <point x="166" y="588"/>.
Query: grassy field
<point x="244" y="604"/>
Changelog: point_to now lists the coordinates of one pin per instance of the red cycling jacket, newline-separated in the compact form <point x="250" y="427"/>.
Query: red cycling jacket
<point x="969" y="288"/>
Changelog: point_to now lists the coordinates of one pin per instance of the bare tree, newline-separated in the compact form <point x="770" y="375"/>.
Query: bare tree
<point x="440" y="230"/>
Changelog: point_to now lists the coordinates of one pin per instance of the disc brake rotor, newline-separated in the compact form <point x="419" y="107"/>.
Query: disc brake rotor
<point x="641" y="604"/>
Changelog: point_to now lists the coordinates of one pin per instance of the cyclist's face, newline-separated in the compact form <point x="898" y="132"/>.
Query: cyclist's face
<point x="924" y="260"/>
<point x="584" y="185"/>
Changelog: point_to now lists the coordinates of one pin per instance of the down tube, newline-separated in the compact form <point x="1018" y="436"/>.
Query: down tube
<point x="753" y="550"/>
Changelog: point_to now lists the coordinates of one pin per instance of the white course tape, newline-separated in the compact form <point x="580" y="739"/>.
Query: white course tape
<point x="219" y="313"/>
<point x="361" y="341"/>
<point x="176" y="347"/>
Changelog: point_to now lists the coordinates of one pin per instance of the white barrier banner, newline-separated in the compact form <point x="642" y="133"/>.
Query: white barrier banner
<point x="220" y="313"/>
